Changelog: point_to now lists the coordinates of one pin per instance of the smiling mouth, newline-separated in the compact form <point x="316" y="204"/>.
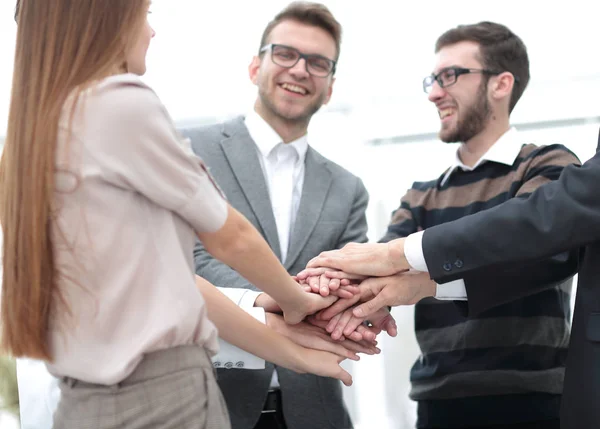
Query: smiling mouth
<point x="444" y="113"/>
<point x="294" y="88"/>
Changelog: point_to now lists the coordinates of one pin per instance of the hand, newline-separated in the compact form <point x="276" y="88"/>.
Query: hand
<point x="400" y="289"/>
<point x="295" y="312"/>
<point x="370" y="259"/>
<point x="355" y="341"/>
<point x="320" y="280"/>
<point x="313" y="337"/>
<point x="265" y="301"/>
<point x="321" y="363"/>
<point x="344" y="324"/>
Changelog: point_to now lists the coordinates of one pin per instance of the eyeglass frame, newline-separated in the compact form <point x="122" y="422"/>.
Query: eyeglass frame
<point x="301" y="55"/>
<point x="458" y="71"/>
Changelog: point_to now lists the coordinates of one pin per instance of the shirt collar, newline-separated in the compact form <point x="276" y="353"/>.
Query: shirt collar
<point x="267" y="139"/>
<point x="504" y="151"/>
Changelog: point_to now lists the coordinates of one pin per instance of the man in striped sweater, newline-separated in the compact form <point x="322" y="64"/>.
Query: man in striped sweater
<point x="505" y="367"/>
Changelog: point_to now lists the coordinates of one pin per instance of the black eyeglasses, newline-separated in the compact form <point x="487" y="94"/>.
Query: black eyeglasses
<point x="288" y="57"/>
<point x="449" y="75"/>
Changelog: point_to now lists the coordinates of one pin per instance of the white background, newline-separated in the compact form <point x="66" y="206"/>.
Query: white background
<point x="198" y="65"/>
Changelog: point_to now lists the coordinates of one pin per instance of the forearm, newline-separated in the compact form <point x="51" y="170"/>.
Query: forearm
<point x="242" y="330"/>
<point x="239" y="245"/>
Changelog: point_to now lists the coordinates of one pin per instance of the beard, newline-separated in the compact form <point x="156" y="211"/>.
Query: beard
<point x="473" y="121"/>
<point x="298" y="117"/>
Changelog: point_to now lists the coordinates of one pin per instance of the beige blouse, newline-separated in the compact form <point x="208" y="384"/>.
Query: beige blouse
<point x="130" y="196"/>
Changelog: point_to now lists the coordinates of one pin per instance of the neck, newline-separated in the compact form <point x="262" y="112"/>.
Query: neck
<point x="472" y="150"/>
<point x="288" y="130"/>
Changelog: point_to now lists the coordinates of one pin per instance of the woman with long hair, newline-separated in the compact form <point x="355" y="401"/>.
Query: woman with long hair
<point x="100" y="204"/>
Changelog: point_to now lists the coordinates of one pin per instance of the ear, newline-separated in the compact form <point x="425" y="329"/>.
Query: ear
<point x="329" y="91"/>
<point x="502" y="86"/>
<point x="253" y="70"/>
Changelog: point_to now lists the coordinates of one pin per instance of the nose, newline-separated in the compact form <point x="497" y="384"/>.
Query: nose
<point x="436" y="92"/>
<point x="299" y="70"/>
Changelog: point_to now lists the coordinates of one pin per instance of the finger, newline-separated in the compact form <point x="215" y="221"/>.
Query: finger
<point x="391" y="328"/>
<point x="334" y="284"/>
<point x="324" y="285"/>
<point x="335" y="274"/>
<point x="367" y="333"/>
<point x="333" y="323"/>
<point x="370" y="307"/>
<point x="337" y="348"/>
<point x="313" y="281"/>
<point x="311" y="272"/>
<point x="359" y="347"/>
<point x="344" y="376"/>
<point x="352" y="324"/>
<point x="355" y="336"/>
<point x="351" y="289"/>
<point x="339" y="306"/>
<point x="345" y="282"/>
<point x="307" y="288"/>
<point x="342" y="293"/>
<point x="341" y="325"/>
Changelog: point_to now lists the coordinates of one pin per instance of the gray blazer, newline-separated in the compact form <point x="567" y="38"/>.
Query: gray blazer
<point x="331" y="214"/>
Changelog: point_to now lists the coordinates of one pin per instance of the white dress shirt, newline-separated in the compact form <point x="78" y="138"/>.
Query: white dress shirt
<point x="504" y="151"/>
<point x="283" y="167"/>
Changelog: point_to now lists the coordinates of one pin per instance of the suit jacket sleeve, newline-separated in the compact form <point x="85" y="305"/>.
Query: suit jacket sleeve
<point x="356" y="229"/>
<point x="559" y="216"/>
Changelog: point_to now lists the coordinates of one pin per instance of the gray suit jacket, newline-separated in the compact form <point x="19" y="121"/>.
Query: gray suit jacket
<point x="331" y="214"/>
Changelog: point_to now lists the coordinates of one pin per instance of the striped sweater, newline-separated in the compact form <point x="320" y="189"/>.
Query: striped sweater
<point x="506" y="365"/>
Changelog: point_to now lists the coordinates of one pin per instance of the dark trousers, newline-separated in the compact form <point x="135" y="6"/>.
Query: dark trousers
<point x="272" y="415"/>
<point x="546" y="424"/>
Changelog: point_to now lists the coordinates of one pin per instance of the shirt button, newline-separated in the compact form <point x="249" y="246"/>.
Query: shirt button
<point x="447" y="266"/>
<point x="239" y="364"/>
<point x="229" y="365"/>
<point x="217" y="364"/>
<point x="458" y="263"/>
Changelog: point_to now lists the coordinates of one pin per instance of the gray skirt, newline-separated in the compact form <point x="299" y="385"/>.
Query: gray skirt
<point x="172" y="388"/>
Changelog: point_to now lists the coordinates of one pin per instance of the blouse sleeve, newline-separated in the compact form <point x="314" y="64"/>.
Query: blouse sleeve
<point x="134" y="142"/>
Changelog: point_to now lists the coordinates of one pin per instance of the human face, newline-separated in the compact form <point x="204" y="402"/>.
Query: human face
<point x="464" y="107"/>
<point x="292" y="95"/>
<point x="136" y="57"/>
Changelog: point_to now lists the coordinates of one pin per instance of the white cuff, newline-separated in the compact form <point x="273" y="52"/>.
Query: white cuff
<point x="452" y="291"/>
<point x="234" y="294"/>
<point x="413" y="252"/>
<point x="247" y="301"/>
<point x="230" y="356"/>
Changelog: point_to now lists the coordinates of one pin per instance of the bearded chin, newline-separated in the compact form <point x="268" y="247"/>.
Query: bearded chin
<point x="471" y="124"/>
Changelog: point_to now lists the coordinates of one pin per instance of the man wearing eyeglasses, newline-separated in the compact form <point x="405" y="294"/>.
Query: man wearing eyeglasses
<point x="300" y="201"/>
<point x="503" y="368"/>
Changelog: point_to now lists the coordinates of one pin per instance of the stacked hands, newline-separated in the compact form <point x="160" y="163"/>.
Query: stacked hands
<point x="351" y="293"/>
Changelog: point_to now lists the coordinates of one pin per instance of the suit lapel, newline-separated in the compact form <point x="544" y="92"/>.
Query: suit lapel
<point x="240" y="151"/>
<point x="317" y="181"/>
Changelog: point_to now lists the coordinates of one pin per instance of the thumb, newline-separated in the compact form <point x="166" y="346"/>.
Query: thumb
<point x="343" y="375"/>
<point x="370" y="307"/>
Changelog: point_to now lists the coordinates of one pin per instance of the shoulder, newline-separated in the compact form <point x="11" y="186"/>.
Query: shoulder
<point x="203" y="136"/>
<point x="547" y="154"/>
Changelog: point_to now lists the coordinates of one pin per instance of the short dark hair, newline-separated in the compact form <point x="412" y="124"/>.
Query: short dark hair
<point x="17" y="6"/>
<point x="314" y="14"/>
<point x="500" y="50"/>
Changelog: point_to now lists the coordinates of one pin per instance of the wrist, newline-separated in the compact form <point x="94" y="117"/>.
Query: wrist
<point x="397" y="256"/>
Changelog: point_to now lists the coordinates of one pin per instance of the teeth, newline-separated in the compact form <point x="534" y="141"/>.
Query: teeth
<point x="445" y="112"/>
<point x="294" y="88"/>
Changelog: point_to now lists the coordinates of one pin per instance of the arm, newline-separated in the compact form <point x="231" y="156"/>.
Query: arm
<point x="240" y="329"/>
<point x="238" y="244"/>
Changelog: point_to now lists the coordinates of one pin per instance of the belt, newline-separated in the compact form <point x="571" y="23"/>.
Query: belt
<point x="273" y="402"/>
